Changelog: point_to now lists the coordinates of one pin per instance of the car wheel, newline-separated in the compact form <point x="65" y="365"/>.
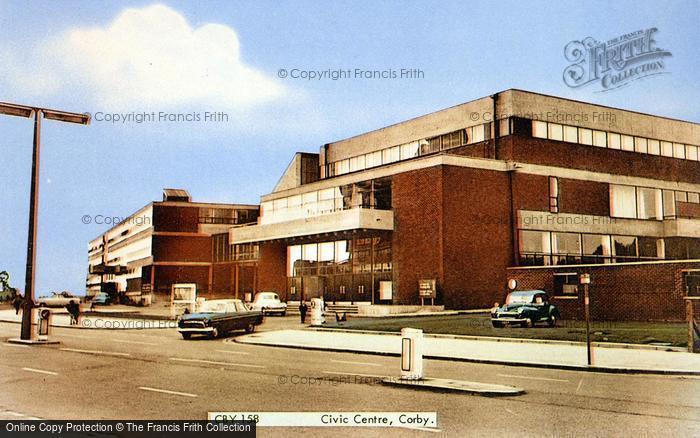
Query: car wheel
<point x="214" y="333"/>
<point x="497" y="324"/>
<point x="186" y="335"/>
<point x="552" y="321"/>
<point x="250" y="328"/>
<point x="284" y="313"/>
<point x="528" y="323"/>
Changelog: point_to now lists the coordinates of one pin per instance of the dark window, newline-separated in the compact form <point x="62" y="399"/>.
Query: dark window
<point x="553" y="194"/>
<point x="566" y="284"/>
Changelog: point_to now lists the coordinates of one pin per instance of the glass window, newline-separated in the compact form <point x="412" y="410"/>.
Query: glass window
<point x="293" y="260"/>
<point x="571" y="134"/>
<point x="410" y="150"/>
<point x="503" y="127"/>
<point x="691" y="152"/>
<point x="654" y="147"/>
<point x="534" y="241"/>
<point x="556" y="131"/>
<point x="694" y="197"/>
<point x="623" y="201"/>
<point x="553" y="194"/>
<point x="326" y="251"/>
<point x="649" y="203"/>
<point x="585" y="136"/>
<point x="678" y="150"/>
<point x="666" y="149"/>
<point x="539" y="129"/>
<point x="648" y="247"/>
<point x="375" y="158"/>
<point x="624" y="248"/>
<point x="478" y="134"/>
<point x="669" y="204"/>
<point x="344" y="167"/>
<point x="596" y="248"/>
<point x="682" y="196"/>
<point x="627" y="143"/>
<point x="566" y="244"/>
<point x="600" y="139"/>
<point x="640" y="145"/>
<point x="614" y="141"/>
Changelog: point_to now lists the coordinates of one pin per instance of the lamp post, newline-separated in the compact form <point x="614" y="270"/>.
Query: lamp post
<point x="38" y="113"/>
<point x="585" y="280"/>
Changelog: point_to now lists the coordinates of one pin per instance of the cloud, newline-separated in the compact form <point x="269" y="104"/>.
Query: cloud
<point x="149" y="57"/>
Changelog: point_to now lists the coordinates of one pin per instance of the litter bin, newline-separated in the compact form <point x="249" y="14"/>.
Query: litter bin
<point x="411" y="354"/>
<point x="42" y="328"/>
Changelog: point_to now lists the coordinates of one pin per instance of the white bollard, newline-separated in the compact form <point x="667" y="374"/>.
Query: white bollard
<point x="411" y="354"/>
<point x="317" y="318"/>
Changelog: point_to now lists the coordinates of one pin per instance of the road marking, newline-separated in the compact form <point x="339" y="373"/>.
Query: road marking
<point x="165" y="391"/>
<point x="232" y="352"/>
<point x="107" y="353"/>
<point x="16" y="345"/>
<point x="74" y="336"/>
<point x="124" y="341"/>
<point x="533" y="378"/>
<point x="211" y="362"/>
<point x="424" y="429"/>
<point x="34" y="370"/>
<point x="15" y="414"/>
<point x="356" y="363"/>
<point x="579" y="385"/>
<point x="352" y="374"/>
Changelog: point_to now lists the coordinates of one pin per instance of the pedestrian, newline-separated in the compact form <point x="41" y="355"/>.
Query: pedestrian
<point x="74" y="309"/>
<point x="302" y="310"/>
<point x="17" y="303"/>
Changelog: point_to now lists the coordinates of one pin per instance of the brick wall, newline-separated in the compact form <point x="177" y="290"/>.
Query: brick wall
<point x="182" y="248"/>
<point x="272" y="271"/>
<point x="171" y="218"/>
<point x="627" y="292"/>
<point x="417" y="238"/>
<point x="584" y="197"/>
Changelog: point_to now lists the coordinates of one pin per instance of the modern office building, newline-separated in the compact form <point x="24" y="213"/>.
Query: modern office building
<point x="516" y="185"/>
<point x="174" y="241"/>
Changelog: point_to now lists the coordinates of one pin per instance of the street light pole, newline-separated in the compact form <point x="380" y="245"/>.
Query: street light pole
<point x="38" y="113"/>
<point x="585" y="280"/>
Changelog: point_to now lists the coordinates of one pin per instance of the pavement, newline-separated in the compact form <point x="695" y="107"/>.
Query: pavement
<point x="101" y="321"/>
<point x="155" y="374"/>
<point x="546" y="355"/>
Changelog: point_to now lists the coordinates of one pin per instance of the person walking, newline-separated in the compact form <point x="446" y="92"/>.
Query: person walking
<point x="74" y="310"/>
<point x="17" y="303"/>
<point x="303" y="308"/>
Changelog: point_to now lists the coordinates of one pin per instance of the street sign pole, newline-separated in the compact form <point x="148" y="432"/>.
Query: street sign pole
<point x="585" y="280"/>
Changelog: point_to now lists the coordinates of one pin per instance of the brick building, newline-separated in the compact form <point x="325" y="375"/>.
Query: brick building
<point x="551" y="189"/>
<point x="174" y="241"/>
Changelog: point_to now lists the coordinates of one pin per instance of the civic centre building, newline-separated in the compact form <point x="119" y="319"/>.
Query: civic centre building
<point x="514" y="186"/>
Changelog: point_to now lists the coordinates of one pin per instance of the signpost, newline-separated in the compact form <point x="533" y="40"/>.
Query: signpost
<point x="585" y="280"/>
<point x="427" y="289"/>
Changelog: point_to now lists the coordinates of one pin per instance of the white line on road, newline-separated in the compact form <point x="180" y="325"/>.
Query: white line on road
<point x="124" y="341"/>
<point x="232" y="352"/>
<point x="579" y="385"/>
<point x="424" y="429"/>
<point x="211" y="362"/>
<point x="74" y="336"/>
<point x="165" y="391"/>
<point x="352" y="374"/>
<point x="533" y="378"/>
<point x="107" y="353"/>
<point x="356" y="363"/>
<point x="34" y="370"/>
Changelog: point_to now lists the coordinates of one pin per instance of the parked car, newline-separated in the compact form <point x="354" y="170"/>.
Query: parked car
<point x="525" y="308"/>
<point x="218" y="317"/>
<point x="57" y="299"/>
<point x="269" y="304"/>
<point x="101" y="298"/>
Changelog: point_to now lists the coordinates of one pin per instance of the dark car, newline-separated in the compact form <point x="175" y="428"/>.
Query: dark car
<point x="218" y="317"/>
<point x="525" y="308"/>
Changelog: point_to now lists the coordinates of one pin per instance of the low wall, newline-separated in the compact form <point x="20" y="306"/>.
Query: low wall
<point x="380" y="310"/>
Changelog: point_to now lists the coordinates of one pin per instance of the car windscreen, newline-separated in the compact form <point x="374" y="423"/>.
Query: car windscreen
<point x="218" y="307"/>
<point x="518" y="299"/>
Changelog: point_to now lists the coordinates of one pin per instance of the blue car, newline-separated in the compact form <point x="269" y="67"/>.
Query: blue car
<point x="101" y="298"/>
<point x="525" y="308"/>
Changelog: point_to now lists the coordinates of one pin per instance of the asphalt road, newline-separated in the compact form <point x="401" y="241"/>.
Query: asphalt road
<point x="154" y="374"/>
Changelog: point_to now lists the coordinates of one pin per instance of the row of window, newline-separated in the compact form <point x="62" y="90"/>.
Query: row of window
<point x="361" y="255"/>
<point x="367" y="194"/>
<point x="461" y="137"/>
<point x="613" y="140"/>
<point x="538" y="248"/>
<point x="223" y="252"/>
<point x="647" y="203"/>
<point x="208" y="215"/>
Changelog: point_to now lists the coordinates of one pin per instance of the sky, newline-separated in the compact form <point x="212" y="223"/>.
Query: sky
<point x="190" y="58"/>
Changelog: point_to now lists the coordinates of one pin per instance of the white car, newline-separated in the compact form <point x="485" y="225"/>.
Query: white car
<point x="269" y="303"/>
<point x="57" y="299"/>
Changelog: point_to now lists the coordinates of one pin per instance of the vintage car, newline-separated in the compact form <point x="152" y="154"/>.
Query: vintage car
<point x="525" y="308"/>
<point x="57" y="299"/>
<point x="269" y="304"/>
<point x="100" y="298"/>
<point x="217" y="317"/>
